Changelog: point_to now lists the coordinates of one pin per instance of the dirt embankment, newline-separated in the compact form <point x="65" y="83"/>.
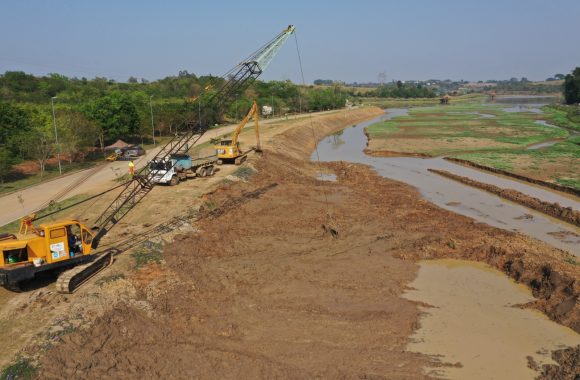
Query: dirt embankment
<point x="550" y="185"/>
<point x="264" y="292"/>
<point x="566" y="214"/>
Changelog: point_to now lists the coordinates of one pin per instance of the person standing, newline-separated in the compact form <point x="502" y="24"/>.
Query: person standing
<point x="131" y="168"/>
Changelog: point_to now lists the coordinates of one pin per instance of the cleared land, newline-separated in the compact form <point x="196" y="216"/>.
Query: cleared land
<point x="486" y="134"/>
<point x="246" y="283"/>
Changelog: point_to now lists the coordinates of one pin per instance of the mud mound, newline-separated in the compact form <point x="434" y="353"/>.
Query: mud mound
<point x="567" y="214"/>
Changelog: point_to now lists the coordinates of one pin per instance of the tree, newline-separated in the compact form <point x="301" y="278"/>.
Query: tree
<point x="560" y="76"/>
<point x="572" y="87"/>
<point x="75" y="133"/>
<point x="39" y="142"/>
<point x="5" y="162"/>
<point x="14" y="126"/>
<point x="115" y="114"/>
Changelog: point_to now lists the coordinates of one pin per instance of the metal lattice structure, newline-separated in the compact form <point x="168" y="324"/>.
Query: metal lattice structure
<point x="235" y="81"/>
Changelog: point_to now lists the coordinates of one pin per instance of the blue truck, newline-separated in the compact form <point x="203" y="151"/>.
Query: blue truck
<point x="181" y="167"/>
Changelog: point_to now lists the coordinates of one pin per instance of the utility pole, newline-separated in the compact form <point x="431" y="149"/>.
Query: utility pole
<point x="152" y="125"/>
<point x="56" y="135"/>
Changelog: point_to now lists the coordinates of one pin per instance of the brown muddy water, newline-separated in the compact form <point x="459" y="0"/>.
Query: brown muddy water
<point x="470" y="317"/>
<point x="348" y="145"/>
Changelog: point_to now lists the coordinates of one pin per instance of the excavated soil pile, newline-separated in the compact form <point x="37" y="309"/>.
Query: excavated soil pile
<point x="266" y="292"/>
<point x="567" y="214"/>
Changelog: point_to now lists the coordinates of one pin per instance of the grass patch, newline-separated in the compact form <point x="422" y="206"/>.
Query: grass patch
<point x="21" y="369"/>
<point x="563" y="116"/>
<point x="464" y="124"/>
<point x="148" y="252"/>
<point x="14" y="226"/>
<point x="244" y="172"/>
<point x="51" y="173"/>
<point x="110" y="278"/>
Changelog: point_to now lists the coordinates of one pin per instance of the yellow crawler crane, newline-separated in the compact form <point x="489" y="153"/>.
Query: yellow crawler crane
<point x="228" y="150"/>
<point x="68" y="246"/>
<point x="58" y="245"/>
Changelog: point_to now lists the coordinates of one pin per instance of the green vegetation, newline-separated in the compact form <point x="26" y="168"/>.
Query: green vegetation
<point x="488" y="135"/>
<point x="244" y="172"/>
<point x="401" y="90"/>
<point x="563" y="116"/>
<point x="54" y="207"/>
<point x="572" y="87"/>
<point x="109" y="278"/>
<point x="148" y="252"/>
<point x="460" y="124"/>
<point x="93" y="113"/>
<point x="21" y="181"/>
<point x="22" y="369"/>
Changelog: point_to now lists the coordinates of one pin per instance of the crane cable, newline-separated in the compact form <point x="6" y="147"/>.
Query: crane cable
<point x="329" y="225"/>
<point x="83" y="201"/>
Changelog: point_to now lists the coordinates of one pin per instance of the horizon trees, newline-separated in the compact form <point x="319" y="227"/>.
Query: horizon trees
<point x="572" y="87"/>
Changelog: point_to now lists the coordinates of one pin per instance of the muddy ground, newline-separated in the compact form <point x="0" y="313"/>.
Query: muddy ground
<point x="259" y="287"/>
<point x="566" y="214"/>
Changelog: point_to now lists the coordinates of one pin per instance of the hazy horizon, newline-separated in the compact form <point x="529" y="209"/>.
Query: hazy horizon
<point x="352" y="42"/>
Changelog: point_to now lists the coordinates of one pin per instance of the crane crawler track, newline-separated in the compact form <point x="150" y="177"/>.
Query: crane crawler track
<point x="68" y="282"/>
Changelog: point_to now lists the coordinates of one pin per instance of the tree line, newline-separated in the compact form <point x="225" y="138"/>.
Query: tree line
<point x="91" y="113"/>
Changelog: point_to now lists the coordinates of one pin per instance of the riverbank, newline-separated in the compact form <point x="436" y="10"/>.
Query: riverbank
<point x="260" y="289"/>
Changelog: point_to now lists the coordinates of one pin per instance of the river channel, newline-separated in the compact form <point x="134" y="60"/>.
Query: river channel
<point x="348" y="145"/>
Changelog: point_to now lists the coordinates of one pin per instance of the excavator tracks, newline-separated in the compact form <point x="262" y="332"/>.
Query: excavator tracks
<point x="69" y="281"/>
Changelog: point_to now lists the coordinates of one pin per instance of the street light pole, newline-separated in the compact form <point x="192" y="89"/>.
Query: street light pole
<point x="199" y="112"/>
<point x="56" y="135"/>
<point x="152" y="125"/>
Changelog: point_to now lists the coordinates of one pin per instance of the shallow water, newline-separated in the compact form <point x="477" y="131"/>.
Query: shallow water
<point x="453" y="196"/>
<point x="544" y="144"/>
<point x="472" y="321"/>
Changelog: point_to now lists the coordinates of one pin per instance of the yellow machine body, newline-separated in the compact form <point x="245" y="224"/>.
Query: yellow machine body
<point x="49" y="243"/>
<point x="228" y="150"/>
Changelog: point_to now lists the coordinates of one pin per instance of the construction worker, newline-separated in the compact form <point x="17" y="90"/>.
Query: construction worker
<point x="131" y="168"/>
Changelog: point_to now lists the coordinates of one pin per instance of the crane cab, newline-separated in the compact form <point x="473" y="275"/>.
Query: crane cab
<point x="50" y="246"/>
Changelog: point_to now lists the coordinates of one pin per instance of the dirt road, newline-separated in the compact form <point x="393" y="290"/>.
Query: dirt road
<point x="18" y="204"/>
<point x="259" y="288"/>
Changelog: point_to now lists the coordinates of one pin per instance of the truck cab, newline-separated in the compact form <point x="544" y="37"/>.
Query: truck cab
<point x="162" y="170"/>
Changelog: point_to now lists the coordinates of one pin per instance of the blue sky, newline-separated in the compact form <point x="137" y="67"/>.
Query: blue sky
<point x="341" y="40"/>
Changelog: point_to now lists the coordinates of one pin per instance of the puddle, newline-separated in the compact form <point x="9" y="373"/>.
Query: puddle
<point x="453" y="196"/>
<point x="472" y="321"/>
<point x="326" y="177"/>
<point x="544" y="144"/>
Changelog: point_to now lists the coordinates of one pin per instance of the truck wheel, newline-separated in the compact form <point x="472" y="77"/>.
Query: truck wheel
<point x="174" y="180"/>
<point x="210" y="171"/>
<point x="202" y="172"/>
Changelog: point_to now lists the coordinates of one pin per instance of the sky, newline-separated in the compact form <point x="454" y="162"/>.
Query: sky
<point x="352" y="41"/>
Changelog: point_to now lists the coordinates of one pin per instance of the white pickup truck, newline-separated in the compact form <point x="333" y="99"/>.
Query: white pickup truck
<point x="181" y="167"/>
